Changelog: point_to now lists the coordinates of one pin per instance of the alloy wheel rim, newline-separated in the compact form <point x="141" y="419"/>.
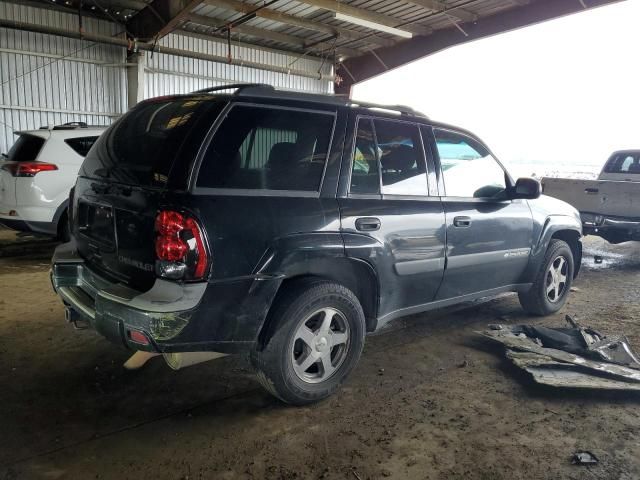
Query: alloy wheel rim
<point x="556" y="279"/>
<point x="320" y="345"/>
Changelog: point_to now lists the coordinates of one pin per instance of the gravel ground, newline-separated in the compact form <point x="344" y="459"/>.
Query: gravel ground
<point x="429" y="399"/>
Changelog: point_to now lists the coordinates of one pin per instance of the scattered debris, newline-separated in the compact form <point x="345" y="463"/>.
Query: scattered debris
<point x="584" y="458"/>
<point x="381" y="371"/>
<point x="570" y="357"/>
<point x="597" y="259"/>
<point x="574" y="289"/>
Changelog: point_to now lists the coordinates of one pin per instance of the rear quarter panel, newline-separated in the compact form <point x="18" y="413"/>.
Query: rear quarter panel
<point x="39" y="197"/>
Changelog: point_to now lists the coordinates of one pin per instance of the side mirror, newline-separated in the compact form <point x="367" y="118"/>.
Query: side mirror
<point x="527" y="188"/>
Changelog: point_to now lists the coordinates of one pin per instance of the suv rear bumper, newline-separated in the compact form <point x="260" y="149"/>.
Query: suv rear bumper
<point x="225" y="316"/>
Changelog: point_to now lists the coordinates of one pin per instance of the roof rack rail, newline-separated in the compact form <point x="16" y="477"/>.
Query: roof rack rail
<point x="238" y="86"/>
<point x="402" y="109"/>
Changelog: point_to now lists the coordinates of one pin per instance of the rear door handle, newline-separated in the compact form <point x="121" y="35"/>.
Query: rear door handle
<point x="368" y="224"/>
<point x="591" y="190"/>
<point x="462" y="222"/>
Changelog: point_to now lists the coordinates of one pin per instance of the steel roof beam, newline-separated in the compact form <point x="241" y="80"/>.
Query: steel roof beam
<point x="272" y="35"/>
<point x="160" y="17"/>
<point x="457" y="13"/>
<point x="367" y="15"/>
<point x="299" y="22"/>
<point x="359" y="69"/>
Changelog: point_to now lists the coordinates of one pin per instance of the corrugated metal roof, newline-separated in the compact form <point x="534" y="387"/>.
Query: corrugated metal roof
<point x="352" y="39"/>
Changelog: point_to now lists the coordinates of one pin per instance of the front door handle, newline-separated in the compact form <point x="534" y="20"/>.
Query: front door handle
<point x="462" y="222"/>
<point x="591" y="190"/>
<point x="368" y="224"/>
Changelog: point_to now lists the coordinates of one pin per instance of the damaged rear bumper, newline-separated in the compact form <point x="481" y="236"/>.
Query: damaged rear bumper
<point x="119" y="313"/>
<point x="223" y="316"/>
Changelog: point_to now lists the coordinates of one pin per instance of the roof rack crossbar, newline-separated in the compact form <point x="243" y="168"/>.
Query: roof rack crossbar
<point x="238" y="86"/>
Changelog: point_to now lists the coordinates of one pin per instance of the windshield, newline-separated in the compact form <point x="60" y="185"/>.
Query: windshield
<point x="26" y="148"/>
<point x="141" y="147"/>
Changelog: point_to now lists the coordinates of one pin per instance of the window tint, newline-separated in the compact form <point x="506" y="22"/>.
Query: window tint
<point x="401" y="159"/>
<point x="365" y="178"/>
<point x="142" y="146"/>
<point x="26" y="148"/>
<point x="624" y="163"/>
<point x="469" y="170"/>
<point x="268" y="148"/>
<point x="81" y="145"/>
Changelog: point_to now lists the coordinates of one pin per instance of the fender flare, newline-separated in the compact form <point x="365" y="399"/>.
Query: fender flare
<point x="555" y="226"/>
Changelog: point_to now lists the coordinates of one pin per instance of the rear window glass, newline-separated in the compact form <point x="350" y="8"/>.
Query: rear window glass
<point x="268" y="148"/>
<point x="81" y="145"/>
<point x="142" y="146"/>
<point x="628" y="162"/>
<point x="26" y="148"/>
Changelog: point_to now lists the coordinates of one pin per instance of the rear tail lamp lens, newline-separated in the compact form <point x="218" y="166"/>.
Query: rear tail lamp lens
<point x="181" y="251"/>
<point x="28" y="169"/>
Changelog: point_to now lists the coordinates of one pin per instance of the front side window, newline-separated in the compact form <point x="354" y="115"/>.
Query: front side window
<point x="468" y="169"/>
<point x="268" y="148"/>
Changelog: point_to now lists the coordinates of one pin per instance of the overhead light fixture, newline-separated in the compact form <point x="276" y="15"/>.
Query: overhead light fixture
<point x="373" y="25"/>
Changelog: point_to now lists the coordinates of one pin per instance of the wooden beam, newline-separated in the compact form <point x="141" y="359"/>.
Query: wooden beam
<point x="368" y="15"/>
<point x="263" y="33"/>
<point x="299" y="22"/>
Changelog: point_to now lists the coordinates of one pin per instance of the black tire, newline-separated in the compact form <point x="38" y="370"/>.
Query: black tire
<point x="64" y="230"/>
<point x="537" y="301"/>
<point x="274" y="362"/>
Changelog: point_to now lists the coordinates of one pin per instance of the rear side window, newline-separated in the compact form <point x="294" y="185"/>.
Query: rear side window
<point x="624" y="163"/>
<point x="268" y="148"/>
<point x="142" y="146"/>
<point x="401" y="160"/>
<point x="26" y="148"/>
<point x="365" y="176"/>
<point x="388" y="154"/>
<point x="81" y="145"/>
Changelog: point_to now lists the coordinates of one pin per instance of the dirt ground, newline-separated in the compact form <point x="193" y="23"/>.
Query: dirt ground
<point x="429" y="399"/>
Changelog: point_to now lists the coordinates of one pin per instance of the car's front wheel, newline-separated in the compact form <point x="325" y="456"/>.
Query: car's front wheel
<point x="316" y="339"/>
<point x="553" y="282"/>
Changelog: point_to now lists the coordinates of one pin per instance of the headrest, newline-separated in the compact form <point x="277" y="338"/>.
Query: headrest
<point x="400" y="158"/>
<point x="281" y="154"/>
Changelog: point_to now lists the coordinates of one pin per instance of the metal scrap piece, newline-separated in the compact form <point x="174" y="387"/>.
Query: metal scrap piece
<point x="559" y="368"/>
<point x="584" y="458"/>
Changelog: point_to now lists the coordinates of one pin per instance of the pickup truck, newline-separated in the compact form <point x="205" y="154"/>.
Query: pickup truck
<point x="610" y="205"/>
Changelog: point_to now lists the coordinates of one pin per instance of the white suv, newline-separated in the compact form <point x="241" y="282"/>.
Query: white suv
<point x="37" y="175"/>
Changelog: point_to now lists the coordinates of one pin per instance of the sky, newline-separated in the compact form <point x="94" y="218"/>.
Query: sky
<point x="564" y="93"/>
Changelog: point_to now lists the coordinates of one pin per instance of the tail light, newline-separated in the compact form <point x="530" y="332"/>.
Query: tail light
<point x="28" y="169"/>
<point x="180" y="248"/>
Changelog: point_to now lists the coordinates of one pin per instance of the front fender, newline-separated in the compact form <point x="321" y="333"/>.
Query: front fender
<point x="554" y="226"/>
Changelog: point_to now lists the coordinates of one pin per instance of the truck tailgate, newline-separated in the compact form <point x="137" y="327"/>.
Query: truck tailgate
<point x="604" y="197"/>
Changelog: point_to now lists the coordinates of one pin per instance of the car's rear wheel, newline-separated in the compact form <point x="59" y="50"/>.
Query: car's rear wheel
<point x="315" y="342"/>
<point x="552" y="284"/>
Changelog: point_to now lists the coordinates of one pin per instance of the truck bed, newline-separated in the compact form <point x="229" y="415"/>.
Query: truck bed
<point x="603" y="197"/>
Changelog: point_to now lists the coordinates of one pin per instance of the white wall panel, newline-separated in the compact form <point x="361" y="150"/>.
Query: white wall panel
<point x="47" y="79"/>
<point x="168" y="74"/>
